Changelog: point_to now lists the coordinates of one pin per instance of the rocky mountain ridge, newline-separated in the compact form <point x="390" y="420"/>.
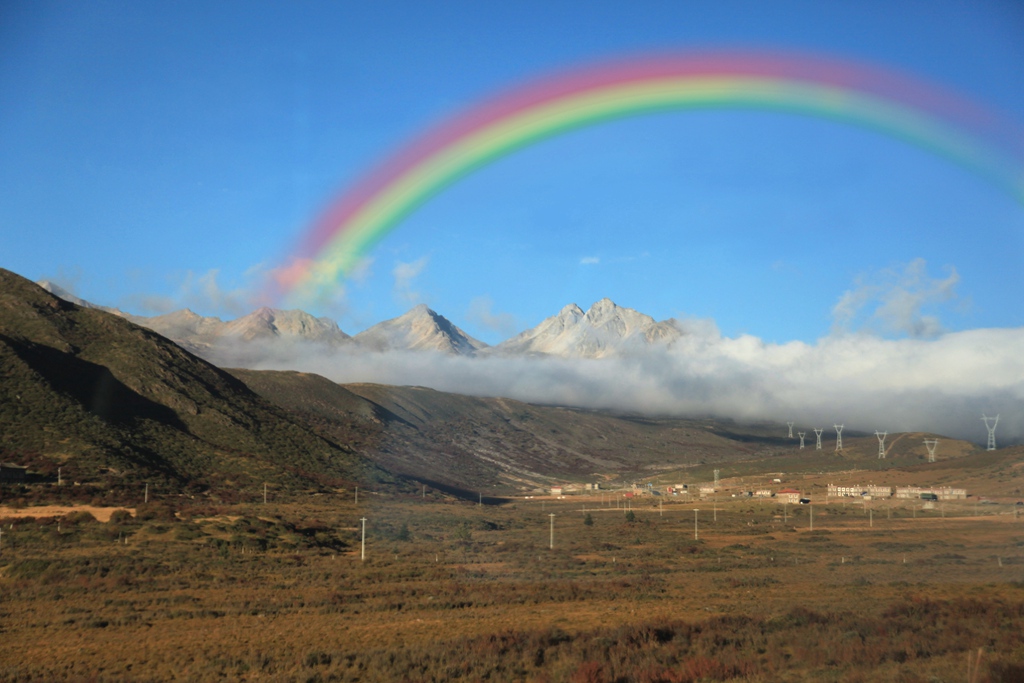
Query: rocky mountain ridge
<point x="606" y="329"/>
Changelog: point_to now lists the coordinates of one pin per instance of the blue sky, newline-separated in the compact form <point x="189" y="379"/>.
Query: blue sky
<point x="156" y="156"/>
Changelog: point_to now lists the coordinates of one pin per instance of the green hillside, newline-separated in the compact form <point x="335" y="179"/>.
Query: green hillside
<point x="113" y="403"/>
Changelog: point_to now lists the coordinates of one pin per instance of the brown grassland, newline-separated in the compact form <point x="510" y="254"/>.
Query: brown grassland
<point x="450" y="590"/>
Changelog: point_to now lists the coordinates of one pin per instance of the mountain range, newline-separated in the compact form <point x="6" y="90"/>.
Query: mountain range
<point x="110" y="401"/>
<point x="113" y="403"/>
<point x="606" y="329"/>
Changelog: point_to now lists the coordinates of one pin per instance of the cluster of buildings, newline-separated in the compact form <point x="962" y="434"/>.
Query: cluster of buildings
<point x="790" y="495"/>
<point x="901" y="492"/>
<point x="564" y="489"/>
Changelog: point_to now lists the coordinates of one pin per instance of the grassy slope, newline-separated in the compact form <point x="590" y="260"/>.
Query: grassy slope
<point x="90" y="391"/>
<point x="500" y="445"/>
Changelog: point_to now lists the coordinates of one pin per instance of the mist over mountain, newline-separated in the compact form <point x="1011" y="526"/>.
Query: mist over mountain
<point x="58" y="291"/>
<point x="611" y="357"/>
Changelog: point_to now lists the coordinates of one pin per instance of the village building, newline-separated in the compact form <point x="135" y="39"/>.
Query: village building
<point x="787" y="495"/>
<point x="939" y="493"/>
<point x="869" y="491"/>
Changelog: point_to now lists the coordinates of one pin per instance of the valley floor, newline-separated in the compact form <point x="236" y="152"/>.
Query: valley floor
<point x="454" y="591"/>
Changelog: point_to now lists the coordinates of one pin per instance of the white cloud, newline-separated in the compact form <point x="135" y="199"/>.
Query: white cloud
<point x="941" y="385"/>
<point x="362" y="271"/>
<point x="894" y="301"/>
<point x="590" y="260"/>
<point x="67" y="278"/>
<point x="204" y="294"/>
<point x="405" y="275"/>
<point x="480" y="312"/>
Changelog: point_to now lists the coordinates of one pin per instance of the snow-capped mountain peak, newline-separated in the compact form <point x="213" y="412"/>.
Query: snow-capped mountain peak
<point x="420" y="329"/>
<point x="606" y="329"/>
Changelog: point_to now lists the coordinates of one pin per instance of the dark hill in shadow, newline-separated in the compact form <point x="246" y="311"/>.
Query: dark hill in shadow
<point x="109" y="401"/>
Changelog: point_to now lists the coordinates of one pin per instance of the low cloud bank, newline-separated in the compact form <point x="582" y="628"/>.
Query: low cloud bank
<point x="940" y="385"/>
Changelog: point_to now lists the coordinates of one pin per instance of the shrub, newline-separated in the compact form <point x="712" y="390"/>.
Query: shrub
<point x="121" y="516"/>
<point x="75" y="518"/>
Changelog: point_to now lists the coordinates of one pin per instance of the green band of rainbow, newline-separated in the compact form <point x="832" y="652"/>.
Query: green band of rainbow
<point x="427" y="171"/>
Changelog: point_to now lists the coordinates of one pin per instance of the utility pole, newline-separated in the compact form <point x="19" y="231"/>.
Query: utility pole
<point x="810" y="508"/>
<point x="146" y="499"/>
<point x="264" y="493"/>
<point x="990" y="425"/>
<point x="58" y="477"/>
<point x="357" y="495"/>
<point x="551" y="543"/>
<point x="362" y="553"/>
<point x="695" y="523"/>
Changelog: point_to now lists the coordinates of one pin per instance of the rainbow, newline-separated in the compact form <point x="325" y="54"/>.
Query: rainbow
<point x="890" y="103"/>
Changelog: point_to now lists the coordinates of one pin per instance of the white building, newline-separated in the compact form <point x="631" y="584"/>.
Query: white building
<point x="787" y="496"/>
<point x="871" y="490"/>
<point x="941" y="492"/>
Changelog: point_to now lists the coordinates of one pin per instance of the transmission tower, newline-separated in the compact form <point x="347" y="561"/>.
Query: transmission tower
<point x="932" y="445"/>
<point x="801" y="435"/>
<point x="839" y="437"/>
<point x="881" y="444"/>
<point x="716" y="478"/>
<point x="817" y="433"/>
<point x="991" y="430"/>
<point x="790" y="429"/>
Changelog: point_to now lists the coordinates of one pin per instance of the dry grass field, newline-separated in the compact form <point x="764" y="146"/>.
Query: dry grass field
<point x="455" y="591"/>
